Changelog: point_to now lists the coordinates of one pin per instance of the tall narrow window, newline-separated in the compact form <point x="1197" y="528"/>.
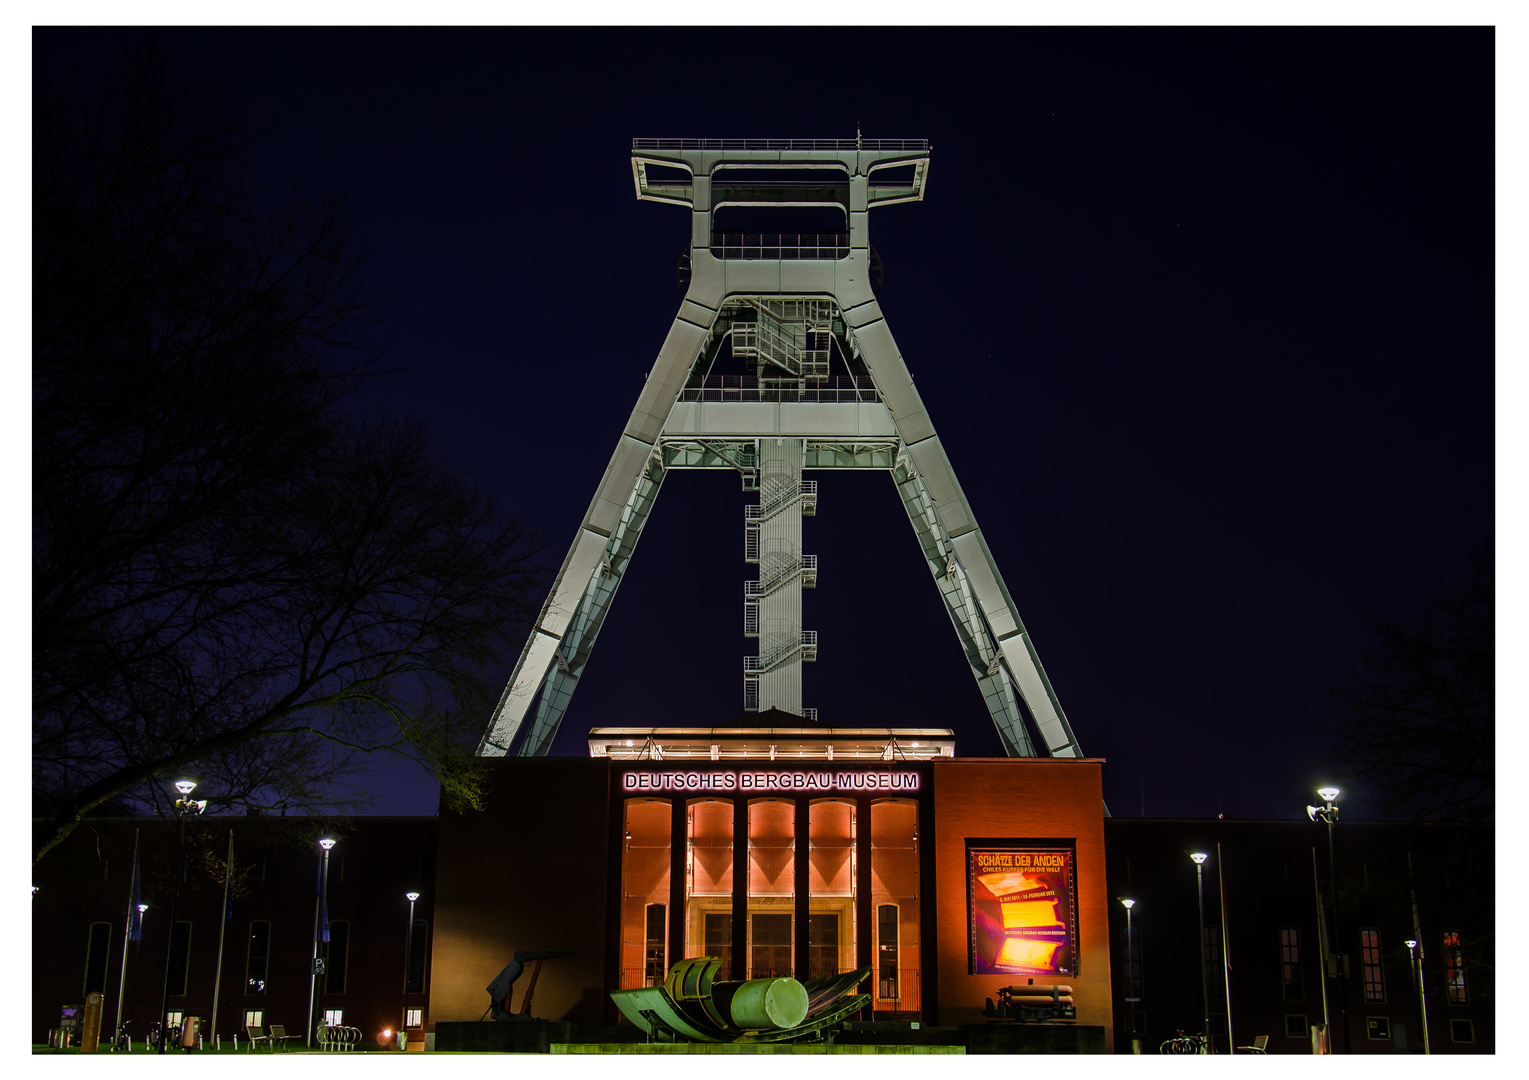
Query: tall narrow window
<point x="1131" y="936"/>
<point x="772" y="887"/>
<point x="1374" y="981"/>
<point x="1290" y="963"/>
<point x="259" y="955"/>
<point x="180" y="956"/>
<point x="334" y="1017"/>
<point x="97" y="956"/>
<point x="1454" y="969"/>
<point x="709" y="882"/>
<point x="419" y="952"/>
<point x="830" y="887"/>
<point x="654" y="942"/>
<point x="886" y="953"/>
<point x="336" y="957"/>
<point x="895" y="893"/>
<point x="254" y="1017"/>
<point x="644" y="884"/>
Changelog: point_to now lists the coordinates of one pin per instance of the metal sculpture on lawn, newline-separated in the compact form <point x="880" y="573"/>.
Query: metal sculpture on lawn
<point x="690" y="1007"/>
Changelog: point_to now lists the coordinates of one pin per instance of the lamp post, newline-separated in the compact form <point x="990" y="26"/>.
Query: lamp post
<point x="318" y="904"/>
<point x="1131" y="994"/>
<point x="1417" y="974"/>
<point x="1199" y="858"/>
<point x="185" y="807"/>
<point x="1327" y="813"/>
<point x="408" y="941"/>
<point x="132" y="1008"/>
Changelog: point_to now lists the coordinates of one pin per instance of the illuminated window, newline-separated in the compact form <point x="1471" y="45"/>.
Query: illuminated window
<point x="709" y="882"/>
<point x="336" y="955"/>
<point x="259" y="955"/>
<point x="1454" y="968"/>
<point x="1290" y="963"/>
<point x="1374" y="981"/>
<point x="654" y="937"/>
<point x="644" y="882"/>
<point x="1131" y="940"/>
<point x="831" y="868"/>
<point x="334" y="1017"/>
<point x="886" y="952"/>
<point x="772" y="887"/>
<point x="180" y="957"/>
<point x="895" y="885"/>
<point x="413" y="1018"/>
<point x="97" y="956"/>
<point x="173" y="1018"/>
<point x="254" y="1017"/>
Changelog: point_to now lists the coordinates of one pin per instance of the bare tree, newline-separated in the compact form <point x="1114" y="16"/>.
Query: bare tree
<point x="1419" y="729"/>
<point x="231" y="575"/>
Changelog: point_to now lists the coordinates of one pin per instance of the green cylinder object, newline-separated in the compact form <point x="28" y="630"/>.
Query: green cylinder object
<point x="769" y="1003"/>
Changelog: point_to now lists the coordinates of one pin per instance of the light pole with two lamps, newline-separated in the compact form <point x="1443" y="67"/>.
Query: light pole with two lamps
<point x="185" y="807"/>
<point x="1199" y="857"/>
<point x="318" y="904"/>
<point x="1327" y="813"/>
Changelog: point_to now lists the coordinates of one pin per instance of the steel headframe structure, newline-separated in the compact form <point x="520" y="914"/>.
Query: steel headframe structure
<point x="786" y="304"/>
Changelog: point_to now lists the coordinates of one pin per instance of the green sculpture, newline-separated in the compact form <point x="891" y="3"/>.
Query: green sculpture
<point x="690" y="1007"/>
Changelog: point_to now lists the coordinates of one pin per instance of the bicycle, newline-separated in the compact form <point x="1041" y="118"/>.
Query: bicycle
<point x="1185" y="1044"/>
<point x="122" y="1040"/>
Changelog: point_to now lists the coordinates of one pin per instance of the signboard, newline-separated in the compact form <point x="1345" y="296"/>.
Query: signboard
<point x="90" y="1032"/>
<point x="754" y="781"/>
<point x="1022" y="910"/>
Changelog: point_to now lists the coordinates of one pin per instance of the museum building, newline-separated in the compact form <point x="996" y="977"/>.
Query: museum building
<point x="783" y="850"/>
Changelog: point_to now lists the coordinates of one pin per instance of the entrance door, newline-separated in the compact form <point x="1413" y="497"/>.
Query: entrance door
<point x="719" y="943"/>
<point x="822" y="945"/>
<point x="772" y="945"/>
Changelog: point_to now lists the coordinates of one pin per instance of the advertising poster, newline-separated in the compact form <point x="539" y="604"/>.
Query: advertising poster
<point x="1023" y="912"/>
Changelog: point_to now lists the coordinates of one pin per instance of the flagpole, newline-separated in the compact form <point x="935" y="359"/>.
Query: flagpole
<point x="132" y="909"/>
<point x="1226" y="954"/>
<point x="217" y="979"/>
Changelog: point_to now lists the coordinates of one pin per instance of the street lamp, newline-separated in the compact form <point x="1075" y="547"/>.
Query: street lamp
<point x="318" y="905"/>
<point x="1131" y="995"/>
<point x="1199" y="857"/>
<point x="1327" y="813"/>
<point x="185" y="807"/>
<point x="1417" y="973"/>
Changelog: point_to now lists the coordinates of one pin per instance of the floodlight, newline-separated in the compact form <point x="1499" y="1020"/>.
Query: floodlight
<point x="1311" y="812"/>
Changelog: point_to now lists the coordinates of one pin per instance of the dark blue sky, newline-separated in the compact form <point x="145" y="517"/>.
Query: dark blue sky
<point x="1204" y="320"/>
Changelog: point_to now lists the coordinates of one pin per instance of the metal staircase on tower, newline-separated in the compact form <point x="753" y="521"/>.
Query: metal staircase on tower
<point x="827" y="389"/>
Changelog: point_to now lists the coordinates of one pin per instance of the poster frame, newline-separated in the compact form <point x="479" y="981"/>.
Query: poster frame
<point x="1064" y="844"/>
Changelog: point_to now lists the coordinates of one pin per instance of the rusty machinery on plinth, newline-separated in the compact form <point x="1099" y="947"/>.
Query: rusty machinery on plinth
<point x="690" y="1007"/>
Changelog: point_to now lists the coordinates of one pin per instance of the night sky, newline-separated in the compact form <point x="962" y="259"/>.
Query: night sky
<point x="1204" y="319"/>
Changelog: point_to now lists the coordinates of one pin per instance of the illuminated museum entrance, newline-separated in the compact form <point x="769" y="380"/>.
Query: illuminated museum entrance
<point x="774" y="886"/>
